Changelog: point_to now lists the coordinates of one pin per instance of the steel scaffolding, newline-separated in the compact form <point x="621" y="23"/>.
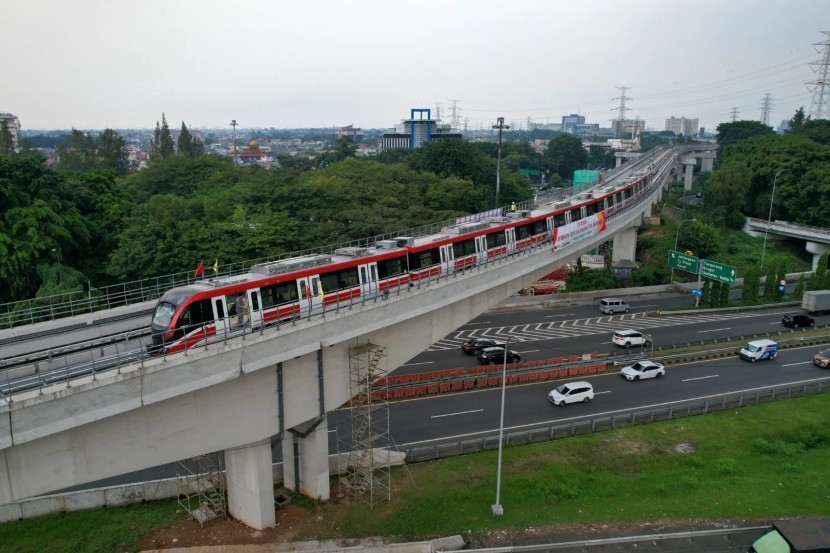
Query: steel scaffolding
<point x="202" y="487"/>
<point x="362" y="478"/>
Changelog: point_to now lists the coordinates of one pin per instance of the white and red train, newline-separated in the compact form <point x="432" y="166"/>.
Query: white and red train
<point x="204" y="311"/>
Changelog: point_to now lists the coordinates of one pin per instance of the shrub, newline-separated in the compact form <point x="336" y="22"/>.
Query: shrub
<point x="726" y="466"/>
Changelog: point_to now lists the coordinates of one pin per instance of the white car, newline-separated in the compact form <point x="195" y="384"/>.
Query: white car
<point x="628" y="338"/>
<point x="572" y="392"/>
<point x="643" y="369"/>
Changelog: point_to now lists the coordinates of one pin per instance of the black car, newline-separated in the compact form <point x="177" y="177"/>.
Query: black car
<point x="473" y="345"/>
<point x="794" y="321"/>
<point x="489" y="356"/>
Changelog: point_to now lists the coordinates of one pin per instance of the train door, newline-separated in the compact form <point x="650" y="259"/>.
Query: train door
<point x="481" y="249"/>
<point x="510" y="238"/>
<point x="311" y="295"/>
<point x="369" y="280"/>
<point x="220" y="312"/>
<point x="447" y="257"/>
<point x="255" y="309"/>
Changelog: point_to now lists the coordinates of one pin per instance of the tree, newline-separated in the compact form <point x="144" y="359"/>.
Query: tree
<point x="111" y="152"/>
<point x="6" y="139"/>
<point x="798" y="120"/>
<point x="701" y="238"/>
<point x="188" y="145"/>
<point x="567" y="154"/>
<point x="771" y="284"/>
<point x="162" y="144"/>
<point x="78" y="153"/>
<point x="724" y="296"/>
<point x="751" y="285"/>
<point x="344" y="148"/>
<point x="726" y="190"/>
<point x="730" y="133"/>
<point x="799" y="288"/>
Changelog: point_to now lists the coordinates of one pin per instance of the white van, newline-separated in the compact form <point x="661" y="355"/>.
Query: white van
<point x="613" y="305"/>
<point x="759" y="349"/>
<point x="572" y="392"/>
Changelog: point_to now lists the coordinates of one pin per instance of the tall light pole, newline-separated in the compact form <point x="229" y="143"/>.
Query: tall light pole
<point x="498" y="510"/>
<point x="233" y="124"/>
<point x="769" y="217"/>
<point x="676" y="235"/>
<point x="500" y="126"/>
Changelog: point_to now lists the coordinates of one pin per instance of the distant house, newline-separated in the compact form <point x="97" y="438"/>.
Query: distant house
<point x="413" y="132"/>
<point x="254" y="155"/>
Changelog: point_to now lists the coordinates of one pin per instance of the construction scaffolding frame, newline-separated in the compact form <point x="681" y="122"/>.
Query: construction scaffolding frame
<point x="366" y="478"/>
<point x="201" y="487"/>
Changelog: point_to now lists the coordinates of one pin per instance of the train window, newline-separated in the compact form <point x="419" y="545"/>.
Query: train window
<point x="164" y="314"/>
<point x="337" y="280"/>
<point x="363" y="275"/>
<point x="303" y="289"/>
<point x="539" y="227"/>
<point x="559" y="220"/>
<point x="627" y="193"/>
<point x="277" y="294"/>
<point x="590" y="209"/>
<point x="424" y="259"/>
<point x="618" y="198"/>
<point x="576" y="214"/>
<point x="522" y="232"/>
<point x="374" y="272"/>
<point x="220" y="308"/>
<point x="464" y="248"/>
<point x="390" y="267"/>
<point x="314" y="288"/>
<point x="496" y="239"/>
<point x="197" y="313"/>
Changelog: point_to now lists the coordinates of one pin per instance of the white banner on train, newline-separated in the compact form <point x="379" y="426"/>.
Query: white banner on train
<point x="578" y="230"/>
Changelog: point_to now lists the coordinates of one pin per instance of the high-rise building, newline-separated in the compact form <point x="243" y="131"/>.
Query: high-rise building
<point x="686" y="127"/>
<point x="412" y="132"/>
<point x="13" y="124"/>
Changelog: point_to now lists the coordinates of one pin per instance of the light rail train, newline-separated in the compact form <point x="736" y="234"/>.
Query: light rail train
<point x="273" y="293"/>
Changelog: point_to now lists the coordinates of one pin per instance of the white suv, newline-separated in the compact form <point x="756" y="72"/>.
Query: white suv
<point x="572" y="392"/>
<point x="628" y="338"/>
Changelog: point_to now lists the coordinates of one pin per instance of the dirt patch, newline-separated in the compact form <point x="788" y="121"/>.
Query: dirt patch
<point x="295" y="523"/>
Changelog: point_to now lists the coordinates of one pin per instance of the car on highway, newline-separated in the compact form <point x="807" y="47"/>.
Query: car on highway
<point x="572" y="392"/>
<point x="474" y="344"/>
<point x="794" y="320"/>
<point x="489" y="356"/>
<point x="628" y="338"/>
<point x="822" y="359"/>
<point x="643" y="369"/>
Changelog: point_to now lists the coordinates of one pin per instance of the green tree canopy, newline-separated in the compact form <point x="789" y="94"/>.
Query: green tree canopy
<point x="730" y="133"/>
<point x="567" y="154"/>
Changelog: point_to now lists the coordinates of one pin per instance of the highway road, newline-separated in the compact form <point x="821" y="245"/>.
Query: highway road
<point x="545" y="333"/>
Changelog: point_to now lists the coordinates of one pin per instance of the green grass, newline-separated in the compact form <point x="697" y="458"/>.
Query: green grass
<point x="768" y="460"/>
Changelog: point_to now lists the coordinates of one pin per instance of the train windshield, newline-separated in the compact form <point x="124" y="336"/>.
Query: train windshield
<point x="163" y="314"/>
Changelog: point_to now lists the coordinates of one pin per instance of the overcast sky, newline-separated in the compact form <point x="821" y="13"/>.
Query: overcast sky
<point x="95" y="64"/>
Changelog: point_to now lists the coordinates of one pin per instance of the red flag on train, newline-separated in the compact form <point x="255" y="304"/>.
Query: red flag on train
<point x="200" y="269"/>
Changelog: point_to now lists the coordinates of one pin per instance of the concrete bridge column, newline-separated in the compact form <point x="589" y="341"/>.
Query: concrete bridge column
<point x="816" y="248"/>
<point x="251" y="484"/>
<point x="625" y="245"/>
<point x="305" y="459"/>
<point x="688" y="177"/>
<point x="707" y="163"/>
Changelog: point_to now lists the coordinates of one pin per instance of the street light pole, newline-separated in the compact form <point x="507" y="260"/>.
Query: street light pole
<point x="234" y="124"/>
<point x="676" y="236"/>
<point x="500" y="126"/>
<point x="498" y="510"/>
<point x="769" y="217"/>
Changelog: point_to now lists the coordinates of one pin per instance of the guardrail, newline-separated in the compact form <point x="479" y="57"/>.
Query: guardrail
<point x="623" y="419"/>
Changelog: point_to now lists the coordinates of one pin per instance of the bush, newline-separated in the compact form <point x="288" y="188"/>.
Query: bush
<point x="726" y="466"/>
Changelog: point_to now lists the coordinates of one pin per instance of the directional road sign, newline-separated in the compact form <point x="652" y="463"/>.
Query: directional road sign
<point x="682" y="261"/>
<point x="697" y="292"/>
<point x="718" y="271"/>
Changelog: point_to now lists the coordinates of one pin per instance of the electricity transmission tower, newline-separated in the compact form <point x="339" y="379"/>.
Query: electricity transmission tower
<point x="455" y="112"/>
<point x="734" y="114"/>
<point x="765" y="108"/>
<point x="622" y="108"/>
<point x="820" y="106"/>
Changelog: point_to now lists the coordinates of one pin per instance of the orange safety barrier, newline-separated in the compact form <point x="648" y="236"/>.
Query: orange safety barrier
<point x="456" y="386"/>
<point x="433" y="389"/>
<point x="572" y="371"/>
<point x="458" y="371"/>
<point x="445" y="387"/>
<point x="469" y="384"/>
<point x="573" y="358"/>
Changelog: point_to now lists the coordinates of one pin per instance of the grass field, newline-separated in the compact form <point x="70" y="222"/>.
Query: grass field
<point x="768" y="460"/>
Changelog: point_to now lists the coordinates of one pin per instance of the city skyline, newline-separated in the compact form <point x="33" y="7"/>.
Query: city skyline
<point x="322" y="64"/>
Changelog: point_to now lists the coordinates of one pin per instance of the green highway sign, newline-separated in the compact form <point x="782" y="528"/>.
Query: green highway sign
<point x="683" y="261"/>
<point x="718" y="271"/>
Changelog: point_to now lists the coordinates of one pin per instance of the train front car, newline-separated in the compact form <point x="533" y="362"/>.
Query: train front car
<point x="163" y="329"/>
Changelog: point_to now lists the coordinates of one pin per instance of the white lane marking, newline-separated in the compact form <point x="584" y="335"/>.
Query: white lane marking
<point x="478" y="323"/>
<point x="714" y="330"/>
<point x="543" y="424"/>
<point x="799" y="363"/>
<point x="421" y="363"/>
<point x="700" y="378"/>
<point x="562" y="315"/>
<point x="528" y="351"/>
<point x="605" y="392"/>
<point x="459" y="413"/>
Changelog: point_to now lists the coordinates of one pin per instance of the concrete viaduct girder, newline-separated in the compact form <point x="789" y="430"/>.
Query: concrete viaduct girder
<point x="229" y="398"/>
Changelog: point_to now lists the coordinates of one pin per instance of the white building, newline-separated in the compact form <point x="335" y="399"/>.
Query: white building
<point x="13" y="124"/>
<point x="686" y="127"/>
